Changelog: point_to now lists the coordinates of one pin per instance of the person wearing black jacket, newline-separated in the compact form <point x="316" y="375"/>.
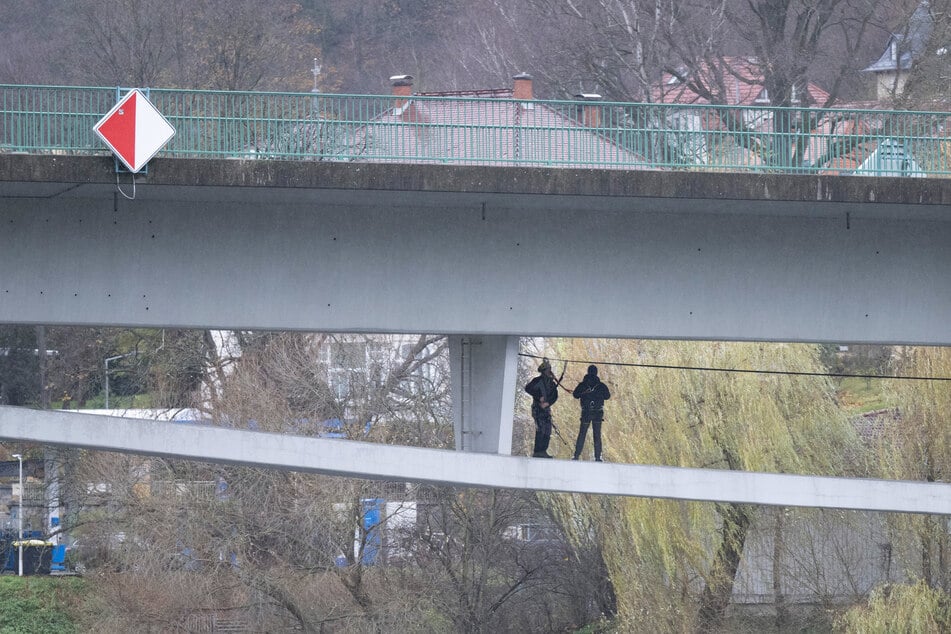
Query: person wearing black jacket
<point x="592" y="393"/>
<point x="544" y="391"/>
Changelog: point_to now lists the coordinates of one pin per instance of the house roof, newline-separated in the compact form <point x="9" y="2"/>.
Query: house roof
<point x="486" y="93"/>
<point x="742" y="80"/>
<point x="904" y="48"/>
<point x="490" y="127"/>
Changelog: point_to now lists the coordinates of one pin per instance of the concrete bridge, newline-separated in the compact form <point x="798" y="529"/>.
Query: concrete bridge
<point x="482" y="254"/>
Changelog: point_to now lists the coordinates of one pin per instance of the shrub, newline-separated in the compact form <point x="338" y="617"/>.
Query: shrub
<point x="899" y="609"/>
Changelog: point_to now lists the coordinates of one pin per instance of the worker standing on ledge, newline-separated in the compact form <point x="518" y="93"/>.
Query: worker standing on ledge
<point x="544" y="391"/>
<point x="592" y="393"/>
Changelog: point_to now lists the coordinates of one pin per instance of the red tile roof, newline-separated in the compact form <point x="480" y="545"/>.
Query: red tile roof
<point x="742" y="80"/>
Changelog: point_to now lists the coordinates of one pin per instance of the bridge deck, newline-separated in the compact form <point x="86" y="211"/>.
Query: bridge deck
<point x="378" y="461"/>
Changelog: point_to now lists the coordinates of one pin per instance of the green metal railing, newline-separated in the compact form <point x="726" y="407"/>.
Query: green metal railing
<point x="492" y="131"/>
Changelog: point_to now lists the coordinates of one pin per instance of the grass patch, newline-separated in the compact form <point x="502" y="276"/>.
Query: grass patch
<point x="135" y="401"/>
<point x="858" y="395"/>
<point x="40" y="604"/>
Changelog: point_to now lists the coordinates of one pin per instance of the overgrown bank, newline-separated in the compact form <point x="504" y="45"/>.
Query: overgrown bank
<point x="42" y="604"/>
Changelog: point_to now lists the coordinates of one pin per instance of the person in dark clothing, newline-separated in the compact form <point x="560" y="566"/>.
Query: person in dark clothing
<point x="544" y="391"/>
<point x="592" y="393"/>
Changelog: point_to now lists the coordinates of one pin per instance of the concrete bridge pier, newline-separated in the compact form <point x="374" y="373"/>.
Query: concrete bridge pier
<point x="483" y="375"/>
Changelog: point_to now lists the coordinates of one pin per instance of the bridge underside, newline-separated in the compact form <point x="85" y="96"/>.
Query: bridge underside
<point x="475" y="250"/>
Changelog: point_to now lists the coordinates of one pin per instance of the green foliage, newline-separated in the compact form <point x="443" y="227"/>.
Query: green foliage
<point x="918" y="447"/>
<point x="40" y="604"/>
<point x="116" y="401"/>
<point x="924" y="437"/>
<point x="897" y="609"/>
<point x="661" y="553"/>
<point x="601" y="626"/>
<point x="858" y="395"/>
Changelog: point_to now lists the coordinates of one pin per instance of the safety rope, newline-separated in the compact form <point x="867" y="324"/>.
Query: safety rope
<point x="738" y="370"/>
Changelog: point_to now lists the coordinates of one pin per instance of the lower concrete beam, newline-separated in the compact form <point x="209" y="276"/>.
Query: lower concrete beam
<point x="377" y="461"/>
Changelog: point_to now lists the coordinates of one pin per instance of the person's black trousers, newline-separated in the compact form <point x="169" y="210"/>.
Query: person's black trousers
<point x="583" y="432"/>
<point x="542" y="429"/>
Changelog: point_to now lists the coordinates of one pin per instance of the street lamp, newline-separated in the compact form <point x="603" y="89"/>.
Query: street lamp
<point x="20" y="516"/>
<point x="106" y="373"/>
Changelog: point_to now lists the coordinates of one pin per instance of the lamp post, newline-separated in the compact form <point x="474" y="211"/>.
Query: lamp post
<point x="106" y="373"/>
<point x="20" y="517"/>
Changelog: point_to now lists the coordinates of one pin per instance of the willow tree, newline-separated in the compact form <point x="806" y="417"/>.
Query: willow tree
<point x="919" y="448"/>
<point x="899" y="608"/>
<point x="673" y="563"/>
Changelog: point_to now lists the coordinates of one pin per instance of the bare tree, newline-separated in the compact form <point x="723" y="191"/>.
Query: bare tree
<point x="28" y="54"/>
<point x="211" y="44"/>
<point x="922" y="41"/>
<point x="18" y="366"/>
<point x="125" y="42"/>
<point x="497" y="562"/>
<point x="274" y="549"/>
<point x="795" y="42"/>
<point x="614" y="47"/>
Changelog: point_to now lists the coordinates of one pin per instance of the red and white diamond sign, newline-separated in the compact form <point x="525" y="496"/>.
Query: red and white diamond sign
<point x="134" y="130"/>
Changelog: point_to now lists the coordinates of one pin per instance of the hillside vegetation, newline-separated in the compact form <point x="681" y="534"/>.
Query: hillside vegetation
<point x="41" y="604"/>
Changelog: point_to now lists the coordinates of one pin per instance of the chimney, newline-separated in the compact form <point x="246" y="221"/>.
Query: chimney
<point x="402" y="87"/>
<point x="523" y="87"/>
<point x="591" y="111"/>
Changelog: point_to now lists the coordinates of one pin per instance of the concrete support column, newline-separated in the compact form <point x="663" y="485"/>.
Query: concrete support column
<point x="483" y="369"/>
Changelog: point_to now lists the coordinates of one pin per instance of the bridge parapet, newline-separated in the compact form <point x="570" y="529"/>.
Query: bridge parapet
<point x="479" y="130"/>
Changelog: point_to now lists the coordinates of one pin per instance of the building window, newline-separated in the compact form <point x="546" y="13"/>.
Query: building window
<point x="350" y="355"/>
<point x="339" y="381"/>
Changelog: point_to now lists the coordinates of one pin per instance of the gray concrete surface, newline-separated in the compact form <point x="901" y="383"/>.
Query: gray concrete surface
<point x="369" y="460"/>
<point x="475" y="250"/>
<point x="478" y="253"/>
